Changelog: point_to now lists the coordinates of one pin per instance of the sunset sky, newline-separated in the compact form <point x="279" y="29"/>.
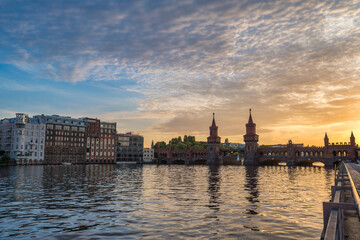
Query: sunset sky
<point x="161" y="68"/>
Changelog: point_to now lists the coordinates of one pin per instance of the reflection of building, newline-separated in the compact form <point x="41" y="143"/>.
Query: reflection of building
<point x="100" y="141"/>
<point x="295" y="154"/>
<point x="65" y="139"/>
<point x="129" y="147"/>
<point x="148" y="155"/>
<point x="23" y="139"/>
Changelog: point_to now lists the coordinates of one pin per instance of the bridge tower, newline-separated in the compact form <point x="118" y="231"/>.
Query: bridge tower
<point x="326" y="140"/>
<point x="251" y="156"/>
<point x="352" y="139"/>
<point x="213" y="145"/>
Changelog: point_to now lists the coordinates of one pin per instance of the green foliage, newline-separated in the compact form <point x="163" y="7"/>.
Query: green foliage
<point x="162" y="144"/>
<point x="180" y="146"/>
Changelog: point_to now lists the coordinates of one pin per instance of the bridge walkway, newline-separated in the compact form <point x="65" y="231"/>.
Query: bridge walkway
<point x="341" y="215"/>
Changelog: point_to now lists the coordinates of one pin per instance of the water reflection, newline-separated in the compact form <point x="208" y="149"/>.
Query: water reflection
<point x="162" y="202"/>
<point x="214" y="180"/>
<point x="251" y="186"/>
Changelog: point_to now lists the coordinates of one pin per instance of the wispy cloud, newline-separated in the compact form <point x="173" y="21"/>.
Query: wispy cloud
<point x="295" y="62"/>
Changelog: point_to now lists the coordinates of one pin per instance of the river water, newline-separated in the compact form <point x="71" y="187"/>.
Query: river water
<point x="162" y="202"/>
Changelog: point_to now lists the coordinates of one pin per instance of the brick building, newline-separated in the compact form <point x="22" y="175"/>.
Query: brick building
<point x="65" y="139"/>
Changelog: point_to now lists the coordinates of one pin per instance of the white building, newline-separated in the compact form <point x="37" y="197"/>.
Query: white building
<point x="148" y="155"/>
<point x="23" y="139"/>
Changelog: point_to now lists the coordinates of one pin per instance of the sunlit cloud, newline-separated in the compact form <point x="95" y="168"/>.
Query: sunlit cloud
<point x="296" y="63"/>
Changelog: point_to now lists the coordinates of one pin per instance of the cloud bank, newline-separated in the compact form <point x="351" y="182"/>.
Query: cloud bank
<point x="296" y="63"/>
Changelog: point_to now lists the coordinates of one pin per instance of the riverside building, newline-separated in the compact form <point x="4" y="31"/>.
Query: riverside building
<point x="65" y="139"/>
<point x="148" y="155"/>
<point x="129" y="147"/>
<point x="23" y="139"/>
<point x="100" y="141"/>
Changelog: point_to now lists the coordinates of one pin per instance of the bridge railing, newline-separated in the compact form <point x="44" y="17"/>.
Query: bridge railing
<point x="333" y="212"/>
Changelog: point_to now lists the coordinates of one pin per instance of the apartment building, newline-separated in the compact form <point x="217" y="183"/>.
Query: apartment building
<point x="65" y="139"/>
<point x="23" y="139"/>
<point x="129" y="147"/>
<point x="148" y="155"/>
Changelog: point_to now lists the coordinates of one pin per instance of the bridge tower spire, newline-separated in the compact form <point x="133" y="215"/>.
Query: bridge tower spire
<point x="352" y="139"/>
<point x="213" y="145"/>
<point x="326" y="140"/>
<point x="251" y="156"/>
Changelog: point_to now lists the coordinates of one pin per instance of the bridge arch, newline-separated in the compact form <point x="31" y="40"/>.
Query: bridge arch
<point x="318" y="164"/>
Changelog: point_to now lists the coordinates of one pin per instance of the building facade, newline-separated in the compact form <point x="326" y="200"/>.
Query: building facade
<point x="23" y="139"/>
<point x="64" y="139"/>
<point x="129" y="147"/>
<point x="296" y="154"/>
<point x="107" y="142"/>
<point x="100" y="141"/>
<point x="148" y="155"/>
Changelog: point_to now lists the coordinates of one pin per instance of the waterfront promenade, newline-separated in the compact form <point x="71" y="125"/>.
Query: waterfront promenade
<point x="341" y="215"/>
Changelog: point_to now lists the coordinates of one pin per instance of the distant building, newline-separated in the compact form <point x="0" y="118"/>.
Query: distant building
<point x="129" y="147"/>
<point x="23" y="139"/>
<point x="108" y="142"/>
<point x="235" y="145"/>
<point x="148" y="155"/>
<point x="65" y="139"/>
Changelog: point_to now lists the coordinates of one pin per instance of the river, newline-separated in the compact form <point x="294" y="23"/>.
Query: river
<point x="162" y="202"/>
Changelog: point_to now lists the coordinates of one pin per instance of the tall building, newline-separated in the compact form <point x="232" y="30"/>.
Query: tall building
<point x="251" y="143"/>
<point x="100" y="141"/>
<point x="92" y="140"/>
<point x="107" y="142"/>
<point x="23" y="139"/>
<point x="65" y="139"/>
<point x="213" y="144"/>
<point x="129" y="147"/>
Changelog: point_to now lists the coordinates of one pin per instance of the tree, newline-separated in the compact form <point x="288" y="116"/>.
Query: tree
<point x="226" y="140"/>
<point x="180" y="146"/>
<point x="161" y="144"/>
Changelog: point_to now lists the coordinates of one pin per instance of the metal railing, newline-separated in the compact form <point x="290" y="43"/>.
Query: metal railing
<point x="333" y="212"/>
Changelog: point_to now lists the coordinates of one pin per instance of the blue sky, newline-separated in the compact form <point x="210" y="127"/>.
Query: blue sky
<point x="161" y="68"/>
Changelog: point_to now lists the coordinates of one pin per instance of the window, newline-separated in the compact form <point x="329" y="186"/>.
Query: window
<point x="58" y="127"/>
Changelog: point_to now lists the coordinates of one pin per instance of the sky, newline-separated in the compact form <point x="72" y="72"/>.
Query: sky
<point x="161" y="68"/>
